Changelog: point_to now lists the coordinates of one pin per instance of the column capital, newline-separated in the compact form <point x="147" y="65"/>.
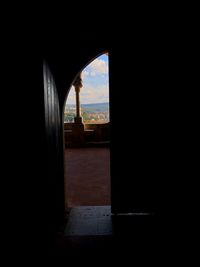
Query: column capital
<point x="78" y="82"/>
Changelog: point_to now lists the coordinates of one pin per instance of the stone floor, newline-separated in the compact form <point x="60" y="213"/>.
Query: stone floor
<point x="87" y="176"/>
<point x="89" y="221"/>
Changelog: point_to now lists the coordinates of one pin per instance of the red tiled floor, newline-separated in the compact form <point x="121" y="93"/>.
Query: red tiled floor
<point x="87" y="176"/>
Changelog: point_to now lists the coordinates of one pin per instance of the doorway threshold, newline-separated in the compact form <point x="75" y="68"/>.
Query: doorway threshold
<point x="89" y="221"/>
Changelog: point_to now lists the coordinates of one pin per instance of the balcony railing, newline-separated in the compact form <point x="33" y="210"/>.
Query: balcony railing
<point x="89" y="135"/>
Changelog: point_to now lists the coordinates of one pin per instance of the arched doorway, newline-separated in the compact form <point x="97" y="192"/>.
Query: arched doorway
<point x="86" y="136"/>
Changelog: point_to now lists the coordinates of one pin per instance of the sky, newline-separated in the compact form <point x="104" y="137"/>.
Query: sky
<point x="95" y="83"/>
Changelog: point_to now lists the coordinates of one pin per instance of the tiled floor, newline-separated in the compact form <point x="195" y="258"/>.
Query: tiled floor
<point x="87" y="176"/>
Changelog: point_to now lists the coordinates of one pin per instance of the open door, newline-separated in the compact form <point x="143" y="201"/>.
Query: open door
<point x="136" y="130"/>
<point x="54" y="149"/>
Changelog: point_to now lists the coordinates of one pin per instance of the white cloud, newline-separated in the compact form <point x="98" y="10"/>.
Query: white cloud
<point x="85" y="73"/>
<point x="90" y="94"/>
<point x="98" y="66"/>
<point x="93" y="73"/>
<point x="95" y="84"/>
<point x="98" y="94"/>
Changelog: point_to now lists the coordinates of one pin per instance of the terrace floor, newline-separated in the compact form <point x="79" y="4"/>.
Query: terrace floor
<point x="87" y="176"/>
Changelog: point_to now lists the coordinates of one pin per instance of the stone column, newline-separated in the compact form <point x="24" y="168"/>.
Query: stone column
<point x="77" y="86"/>
<point x="78" y="139"/>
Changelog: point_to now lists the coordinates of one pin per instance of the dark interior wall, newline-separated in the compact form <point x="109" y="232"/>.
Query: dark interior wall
<point x="33" y="145"/>
<point x="27" y="199"/>
<point x="33" y="189"/>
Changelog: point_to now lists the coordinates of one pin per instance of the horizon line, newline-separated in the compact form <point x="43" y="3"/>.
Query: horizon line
<point x="89" y="103"/>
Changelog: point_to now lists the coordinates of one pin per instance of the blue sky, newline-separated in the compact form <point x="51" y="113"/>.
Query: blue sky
<point x="95" y="83"/>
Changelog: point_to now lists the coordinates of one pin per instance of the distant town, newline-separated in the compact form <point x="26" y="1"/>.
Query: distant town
<point x="91" y="113"/>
